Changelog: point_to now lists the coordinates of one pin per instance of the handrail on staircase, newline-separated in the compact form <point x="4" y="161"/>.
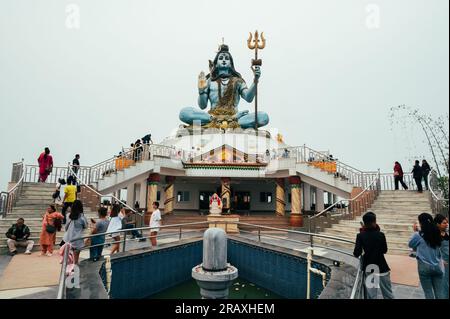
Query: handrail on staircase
<point x="8" y="198"/>
<point x="81" y="181"/>
<point x="359" y="203"/>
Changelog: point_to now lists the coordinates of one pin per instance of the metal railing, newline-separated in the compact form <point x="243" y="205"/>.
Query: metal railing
<point x="139" y="216"/>
<point x="128" y="158"/>
<point x="32" y="174"/>
<point x="178" y="235"/>
<point x="8" y="199"/>
<point x="305" y="154"/>
<point x="348" y="209"/>
<point x="439" y="204"/>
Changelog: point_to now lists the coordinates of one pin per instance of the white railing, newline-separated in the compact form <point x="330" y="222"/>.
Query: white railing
<point x="349" y="208"/>
<point x="439" y="204"/>
<point x="8" y="199"/>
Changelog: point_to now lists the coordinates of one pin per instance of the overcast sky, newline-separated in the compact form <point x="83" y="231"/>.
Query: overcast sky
<point x="331" y="71"/>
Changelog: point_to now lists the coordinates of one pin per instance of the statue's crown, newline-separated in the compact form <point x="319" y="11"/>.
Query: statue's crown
<point x="223" y="48"/>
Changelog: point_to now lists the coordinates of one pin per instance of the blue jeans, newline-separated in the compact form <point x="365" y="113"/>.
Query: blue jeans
<point x="96" y="252"/>
<point x="134" y="233"/>
<point x="431" y="279"/>
<point x="445" y="283"/>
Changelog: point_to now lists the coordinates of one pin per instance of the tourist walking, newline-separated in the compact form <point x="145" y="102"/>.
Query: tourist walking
<point x="51" y="224"/>
<point x="70" y="195"/>
<point x="18" y="235"/>
<point x="371" y="244"/>
<point x="398" y="176"/>
<point x="427" y="243"/>
<point x="426" y="169"/>
<point x="45" y="162"/>
<point x="147" y="139"/>
<point x="58" y="191"/>
<point x="155" y="223"/>
<point x="442" y="223"/>
<point x="75" y="226"/>
<point x="76" y="165"/>
<point x="418" y="175"/>
<point x="115" y="224"/>
<point x="100" y="227"/>
<point x="129" y="222"/>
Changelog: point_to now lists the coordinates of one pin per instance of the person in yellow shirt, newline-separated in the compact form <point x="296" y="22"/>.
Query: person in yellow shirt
<point x="70" y="195"/>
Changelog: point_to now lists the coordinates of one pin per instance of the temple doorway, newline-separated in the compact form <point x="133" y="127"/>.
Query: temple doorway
<point x="241" y="201"/>
<point x="205" y="197"/>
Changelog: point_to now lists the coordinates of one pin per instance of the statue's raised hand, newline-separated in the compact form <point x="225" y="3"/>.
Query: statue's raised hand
<point x="202" y="84"/>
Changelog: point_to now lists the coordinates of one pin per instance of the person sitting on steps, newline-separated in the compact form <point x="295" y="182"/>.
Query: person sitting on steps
<point x="18" y="235"/>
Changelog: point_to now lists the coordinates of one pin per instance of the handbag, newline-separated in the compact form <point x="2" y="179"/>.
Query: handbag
<point x="50" y="228"/>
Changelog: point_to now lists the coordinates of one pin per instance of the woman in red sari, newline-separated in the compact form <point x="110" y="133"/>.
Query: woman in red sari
<point x="45" y="161"/>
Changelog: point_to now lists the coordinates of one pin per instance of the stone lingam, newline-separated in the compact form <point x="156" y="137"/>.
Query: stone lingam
<point x="215" y="275"/>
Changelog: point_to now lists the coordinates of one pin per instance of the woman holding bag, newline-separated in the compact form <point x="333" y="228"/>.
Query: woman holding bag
<point x="51" y="224"/>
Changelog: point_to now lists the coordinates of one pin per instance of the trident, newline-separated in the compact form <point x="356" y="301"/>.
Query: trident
<point x="256" y="45"/>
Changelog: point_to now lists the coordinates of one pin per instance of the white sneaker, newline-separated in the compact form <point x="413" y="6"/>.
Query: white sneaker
<point x="49" y="254"/>
<point x="28" y="252"/>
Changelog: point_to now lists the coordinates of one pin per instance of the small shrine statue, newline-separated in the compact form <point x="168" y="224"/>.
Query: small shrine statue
<point x="223" y="87"/>
<point x="215" y="205"/>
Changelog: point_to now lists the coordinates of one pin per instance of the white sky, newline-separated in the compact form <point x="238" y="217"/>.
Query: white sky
<point x="328" y="80"/>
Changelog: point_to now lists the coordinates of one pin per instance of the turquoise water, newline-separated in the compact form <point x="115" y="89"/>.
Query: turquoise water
<point x="240" y="289"/>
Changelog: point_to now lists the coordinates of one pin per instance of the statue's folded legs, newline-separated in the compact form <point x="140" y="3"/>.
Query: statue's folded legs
<point x="189" y="114"/>
<point x="248" y="121"/>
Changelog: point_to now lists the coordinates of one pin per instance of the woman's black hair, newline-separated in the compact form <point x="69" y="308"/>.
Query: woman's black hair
<point x="439" y="218"/>
<point x="52" y="207"/>
<point x="102" y="212"/>
<point x="77" y="210"/>
<point x="115" y="210"/>
<point x="429" y="230"/>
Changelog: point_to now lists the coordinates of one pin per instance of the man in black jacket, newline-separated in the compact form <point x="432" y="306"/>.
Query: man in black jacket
<point x="18" y="235"/>
<point x="372" y="242"/>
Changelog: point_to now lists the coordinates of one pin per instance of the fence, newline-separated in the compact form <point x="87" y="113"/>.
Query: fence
<point x="358" y="287"/>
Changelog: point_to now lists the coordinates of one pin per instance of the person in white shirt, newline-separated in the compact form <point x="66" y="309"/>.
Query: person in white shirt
<point x="115" y="224"/>
<point x="155" y="221"/>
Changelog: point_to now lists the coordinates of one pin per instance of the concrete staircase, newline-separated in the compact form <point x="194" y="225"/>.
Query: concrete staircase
<point x="31" y="205"/>
<point x="396" y="213"/>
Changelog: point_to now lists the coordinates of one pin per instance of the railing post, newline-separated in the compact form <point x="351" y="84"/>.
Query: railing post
<point x="124" y="241"/>
<point x="259" y="234"/>
<point x="308" y="280"/>
<point x="180" y="233"/>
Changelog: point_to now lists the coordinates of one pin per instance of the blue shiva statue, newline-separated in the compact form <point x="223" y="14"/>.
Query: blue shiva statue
<point x="224" y="87"/>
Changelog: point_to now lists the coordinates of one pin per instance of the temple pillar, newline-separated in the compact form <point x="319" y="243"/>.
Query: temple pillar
<point x="130" y="195"/>
<point x="152" y="194"/>
<point x="143" y="195"/>
<point x="330" y="198"/>
<point x="280" y="197"/>
<point x="169" y="195"/>
<point x="226" y="194"/>
<point x="320" y="205"/>
<point x="296" y="205"/>
<point x="307" y="196"/>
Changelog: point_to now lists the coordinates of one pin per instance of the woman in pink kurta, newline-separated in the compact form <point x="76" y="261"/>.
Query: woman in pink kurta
<point x="47" y="240"/>
<point x="45" y="161"/>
